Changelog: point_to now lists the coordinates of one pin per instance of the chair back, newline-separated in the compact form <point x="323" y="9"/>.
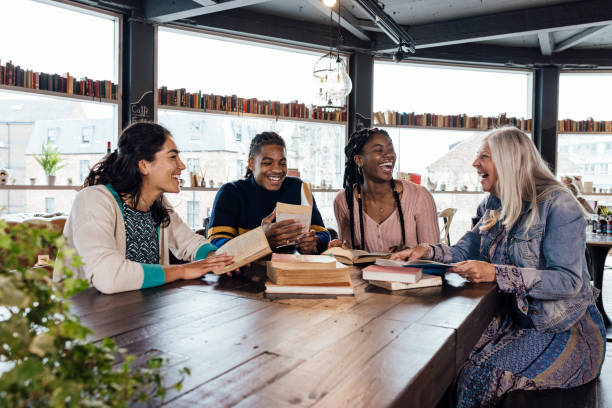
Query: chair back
<point x="447" y="216"/>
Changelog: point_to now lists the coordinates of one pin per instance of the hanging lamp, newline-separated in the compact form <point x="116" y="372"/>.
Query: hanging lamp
<point x="332" y="81"/>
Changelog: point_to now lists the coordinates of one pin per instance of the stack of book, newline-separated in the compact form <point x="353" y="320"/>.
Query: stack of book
<point x="392" y="275"/>
<point x="294" y="274"/>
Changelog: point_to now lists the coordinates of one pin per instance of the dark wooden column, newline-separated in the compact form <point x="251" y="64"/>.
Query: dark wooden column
<point x="138" y="71"/>
<point x="545" y="111"/>
<point x="361" y="72"/>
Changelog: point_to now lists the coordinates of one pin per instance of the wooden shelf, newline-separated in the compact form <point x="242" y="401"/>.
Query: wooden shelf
<point x="246" y="114"/>
<point x="437" y="128"/>
<point x="37" y="187"/>
<point x="58" y="94"/>
<point x="457" y="192"/>
<point x="76" y="188"/>
<point x="583" y="133"/>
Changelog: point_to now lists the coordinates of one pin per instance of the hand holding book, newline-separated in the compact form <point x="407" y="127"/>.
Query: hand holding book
<point x="281" y="233"/>
<point x="307" y="244"/>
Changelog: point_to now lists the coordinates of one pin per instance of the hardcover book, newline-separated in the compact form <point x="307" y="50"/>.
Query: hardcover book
<point x="392" y="273"/>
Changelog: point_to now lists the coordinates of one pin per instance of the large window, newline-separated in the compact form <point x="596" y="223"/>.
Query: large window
<point x="584" y="97"/>
<point x="219" y="143"/>
<point x="66" y="39"/>
<point x="443" y="157"/>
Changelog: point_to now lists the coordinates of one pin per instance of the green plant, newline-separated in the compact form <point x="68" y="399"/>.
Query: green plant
<point x="605" y="211"/>
<point x="45" y="358"/>
<point x="50" y="159"/>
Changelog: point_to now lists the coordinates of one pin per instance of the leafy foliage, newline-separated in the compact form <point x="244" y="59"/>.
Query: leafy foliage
<point x="45" y="358"/>
<point x="50" y="159"/>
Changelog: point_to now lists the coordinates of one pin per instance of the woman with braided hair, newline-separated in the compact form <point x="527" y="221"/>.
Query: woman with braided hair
<point x="375" y="212"/>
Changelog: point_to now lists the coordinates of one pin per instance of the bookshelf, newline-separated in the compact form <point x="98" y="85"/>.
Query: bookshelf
<point x="449" y="122"/>
<point x="37" y="187"/>
<point x="76" y="188"/>
<point x="245" y="114"/>
<point x="590" y="126"/>
<point x="583" y="133"/>
<point x="384" y="125"/>
<point x="57" y="94"/>
<point x="253" y="107"/>
<point x="15" y="76"/>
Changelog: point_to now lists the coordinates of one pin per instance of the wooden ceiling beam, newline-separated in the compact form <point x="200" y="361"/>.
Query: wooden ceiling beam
<point x="167" y="11"/>
<point x="578" y="14"/>
<point x="272" y="28"/>
<point x="347" y="20"/>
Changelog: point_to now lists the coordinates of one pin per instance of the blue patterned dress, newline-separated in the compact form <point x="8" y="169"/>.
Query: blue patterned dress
<point x="142" y="236"/>
<point x="512" y="355"/>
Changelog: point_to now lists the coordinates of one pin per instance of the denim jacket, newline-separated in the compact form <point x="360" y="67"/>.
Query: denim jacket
<point x="547" y="268"/>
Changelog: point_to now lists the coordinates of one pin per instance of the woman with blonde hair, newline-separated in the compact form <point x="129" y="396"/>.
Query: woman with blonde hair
<point x="531" y="242"/>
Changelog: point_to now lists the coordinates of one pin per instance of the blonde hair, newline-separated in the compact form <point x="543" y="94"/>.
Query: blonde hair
<point x="522" y="175"/>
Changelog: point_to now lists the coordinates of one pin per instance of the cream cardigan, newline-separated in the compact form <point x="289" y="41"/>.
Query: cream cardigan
<point x="95" y="228"/>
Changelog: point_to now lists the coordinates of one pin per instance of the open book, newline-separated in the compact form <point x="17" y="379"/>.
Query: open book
<point x="301" y="213"/>
<point x="245" y="248"/>
<point x="355" y="256"/>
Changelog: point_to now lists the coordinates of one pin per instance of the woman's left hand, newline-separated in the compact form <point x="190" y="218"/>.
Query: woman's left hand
<point x="475" y="271"/>
<point x="307" y="244"/>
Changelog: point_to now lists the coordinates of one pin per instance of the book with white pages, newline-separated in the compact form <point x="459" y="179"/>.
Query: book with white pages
<point x="302" y="214"/>
<point x="245" y="248"/>
<point x="425" y="282"/>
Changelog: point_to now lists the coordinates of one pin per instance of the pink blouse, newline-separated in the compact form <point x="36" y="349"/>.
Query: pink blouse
<point x="420" y="221"/>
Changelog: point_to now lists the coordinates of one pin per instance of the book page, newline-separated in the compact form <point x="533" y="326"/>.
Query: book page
<point x="302" y="214"/>
<point x="299" y="258"/>
<point x="245" y="248"/>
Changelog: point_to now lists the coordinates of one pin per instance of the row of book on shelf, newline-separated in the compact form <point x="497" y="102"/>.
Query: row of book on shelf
<point x="14" y="75"/>
<point x="235" y="104"/>
<point x="328" y="273"/>
<point x="589" y="125"/>
<point x="480" y="122"/>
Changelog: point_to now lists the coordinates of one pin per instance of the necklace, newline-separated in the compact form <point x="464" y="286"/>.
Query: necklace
<point x="380" y="209"/>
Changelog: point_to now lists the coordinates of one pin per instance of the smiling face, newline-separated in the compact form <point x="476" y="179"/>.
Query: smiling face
<point x="162" y="175"/>
<point x="269" y="166"/>
<point x="377" y="158"/>
<point x="486" y="168"/>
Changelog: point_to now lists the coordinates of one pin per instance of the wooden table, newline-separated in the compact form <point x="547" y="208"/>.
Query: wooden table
<point x="373" y="349"/>
<point x="599" y="246"/>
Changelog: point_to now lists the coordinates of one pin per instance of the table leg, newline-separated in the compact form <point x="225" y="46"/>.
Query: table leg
<point x="598" y="257"/>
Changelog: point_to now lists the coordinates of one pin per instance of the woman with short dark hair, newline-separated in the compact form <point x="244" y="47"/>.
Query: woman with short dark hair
<point x="123" y="228"/>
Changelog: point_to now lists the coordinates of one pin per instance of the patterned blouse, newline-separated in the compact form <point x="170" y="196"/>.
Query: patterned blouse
<point x="142" y="238"/>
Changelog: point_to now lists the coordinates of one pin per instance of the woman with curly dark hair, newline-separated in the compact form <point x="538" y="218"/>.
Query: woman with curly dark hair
<point x="123" y="228"/>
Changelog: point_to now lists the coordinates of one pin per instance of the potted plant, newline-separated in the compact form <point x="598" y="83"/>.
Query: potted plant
<point x="50" y="160"/>
<point x="47" y="360"/>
